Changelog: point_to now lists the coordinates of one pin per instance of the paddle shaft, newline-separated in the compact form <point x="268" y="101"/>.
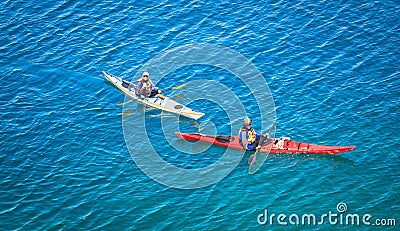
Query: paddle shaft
<point x="253" y="157"/>
<point x="176" y="87"/>
<point x="158" y="95"/>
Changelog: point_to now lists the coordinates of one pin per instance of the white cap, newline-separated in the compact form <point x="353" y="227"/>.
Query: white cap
<point x="146" y="73"/>
<point x="247" y="121"/>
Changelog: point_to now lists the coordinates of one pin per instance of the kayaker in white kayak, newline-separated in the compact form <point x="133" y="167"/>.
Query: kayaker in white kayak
<point x="145" y="88"/>
<point x="248" y="138"/>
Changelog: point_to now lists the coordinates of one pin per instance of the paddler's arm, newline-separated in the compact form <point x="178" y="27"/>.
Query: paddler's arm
<point x="241" y="141"/>
<point x="263" y="137"/>
<point x="258" y="136"/>
<point x="157" y="90"/>
<point x="138" y="87"/>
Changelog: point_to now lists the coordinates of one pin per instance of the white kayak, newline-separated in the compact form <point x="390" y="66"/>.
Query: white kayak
<point x="160" y="102"/>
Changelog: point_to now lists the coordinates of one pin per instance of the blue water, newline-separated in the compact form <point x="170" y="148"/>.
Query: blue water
<point x="333" y="68"/>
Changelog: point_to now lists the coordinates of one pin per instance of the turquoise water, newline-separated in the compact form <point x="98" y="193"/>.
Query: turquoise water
<point x="332" y="68"/>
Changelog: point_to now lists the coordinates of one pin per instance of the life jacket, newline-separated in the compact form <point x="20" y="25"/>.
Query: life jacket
<point x="247" y="136"/>
<point x="251" y="136"/>
<point x="146" y="88"/>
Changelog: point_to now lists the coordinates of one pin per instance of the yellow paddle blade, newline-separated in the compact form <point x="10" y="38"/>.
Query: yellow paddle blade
<point x="179" y="87"/>
<point x="160" y="96"/>
<point x="120" y="104"/>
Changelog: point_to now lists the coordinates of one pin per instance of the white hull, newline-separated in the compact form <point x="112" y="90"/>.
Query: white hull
<point x="165" y="103"/>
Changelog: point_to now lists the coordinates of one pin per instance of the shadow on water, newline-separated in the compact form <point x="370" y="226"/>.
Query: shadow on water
<point x="151" y="112"/>
<point x="292" y="160"/>
<point x="304" y="157"/>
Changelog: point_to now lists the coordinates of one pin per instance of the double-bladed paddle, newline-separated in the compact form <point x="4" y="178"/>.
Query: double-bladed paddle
<point x="159" y="95"/>
<point x="252" y="158"/>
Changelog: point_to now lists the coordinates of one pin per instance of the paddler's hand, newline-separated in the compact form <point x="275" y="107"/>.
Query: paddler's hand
<point x="159" y="91"/>
<point x="258" y="147"/>
<point x="142" y="96"/>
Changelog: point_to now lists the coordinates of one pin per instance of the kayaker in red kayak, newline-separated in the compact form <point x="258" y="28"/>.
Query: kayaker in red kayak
<point x="145" y="88"/>
<point x="248" y="138"/>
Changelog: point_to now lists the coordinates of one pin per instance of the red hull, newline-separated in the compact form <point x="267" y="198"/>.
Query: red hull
<point x="282" y="145"/>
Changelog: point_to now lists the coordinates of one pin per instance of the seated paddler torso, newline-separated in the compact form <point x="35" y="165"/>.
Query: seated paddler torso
<point x="145" y="88"/>
<point x="248" y="138"/>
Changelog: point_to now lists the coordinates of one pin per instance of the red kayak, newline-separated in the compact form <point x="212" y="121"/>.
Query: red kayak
<point x="277" y="145"/>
